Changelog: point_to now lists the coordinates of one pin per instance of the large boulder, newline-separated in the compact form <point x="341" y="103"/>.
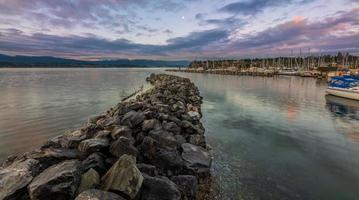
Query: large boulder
<point x="57" y="182"/>
<point x="121" y="131"/>
<point x="95" y="161"/>
<point x="159" y="188"/>
<point x="93" y="145"/>
<point x="164" y="138"/>
<point x="70" y="139"/>
<point x="196" y="158"/>
<point x="151" y="124"/>
<point x="123" y="177"/>
<point x="94" y="194"/>
<point x="51" y="156"/>
<point x="169" y="159"/>
<point x="15" y="178"/>
<point x="197" y="140"/>
<point x="89" y="180"/>
<point x="148" y="147"/>
<point x="172" y="127"/>
<point x="123" y="146"/>
<point x="147" y="169"/>
<point x="104" y="134"/>
<point x="133" y="118"/>
<point x="187" y="184"/>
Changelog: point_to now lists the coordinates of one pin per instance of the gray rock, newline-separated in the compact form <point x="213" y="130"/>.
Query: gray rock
<point x="147" y="169"/>
<point x="51" y="156"/>
<point x="180" y="139"/>
<point x="95" y="161"/>
<point x="103" y="134"/>
<point x="121" y="131"/>
<point x="197" y="139"/>
<point x="89" y="180"/>
<point x="159" y="188"/>
<point x="164" y="138"/>
<point x="194" y="115"/>
<point x="15" y="178"/>
<point x="94" y="119"/>
<point x="58" y="182"/>
<point x="187" y="184"/>
<point x="93" y="145"/>
<point x="94" y="194"/>
<point x="172" y="127"/>
<point x="196" y="158"/>
<point x="72" y="139"/>
<point x="151" y="124"/>
<point x="123" y="146"/>
<point x="123" y="177"/>
<point x="168" y="159"/>
<point x="133" y="118"/>
<point x="148" y="147"/>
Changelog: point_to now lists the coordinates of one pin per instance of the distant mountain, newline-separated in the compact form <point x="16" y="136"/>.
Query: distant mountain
<point x="48" y="61"/>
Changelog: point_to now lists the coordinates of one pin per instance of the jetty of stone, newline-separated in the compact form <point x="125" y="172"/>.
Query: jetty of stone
<point x="150" y="147"/>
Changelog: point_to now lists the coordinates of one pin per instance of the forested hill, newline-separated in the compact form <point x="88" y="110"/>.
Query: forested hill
<point x="48" y="61"/>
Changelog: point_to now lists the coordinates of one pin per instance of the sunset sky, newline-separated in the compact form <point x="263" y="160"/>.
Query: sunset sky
<point x="183" y="29"/>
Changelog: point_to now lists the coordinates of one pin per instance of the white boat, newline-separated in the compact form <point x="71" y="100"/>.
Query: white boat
<point x="346" y="87"/>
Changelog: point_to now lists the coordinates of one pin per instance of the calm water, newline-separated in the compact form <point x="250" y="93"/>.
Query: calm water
<point x="273" y="138"/>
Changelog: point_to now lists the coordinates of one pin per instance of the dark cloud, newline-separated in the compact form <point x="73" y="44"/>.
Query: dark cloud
<point x="252" y="7"/>
<point x="12" y="41"/>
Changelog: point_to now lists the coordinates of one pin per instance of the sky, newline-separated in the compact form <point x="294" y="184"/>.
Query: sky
<point x="177" y="29"/>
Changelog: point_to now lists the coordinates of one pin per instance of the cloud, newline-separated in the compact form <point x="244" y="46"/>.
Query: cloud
<point x="252" y="7"/>
<point x="13" y="41"/>
<point x="331" y="34"/>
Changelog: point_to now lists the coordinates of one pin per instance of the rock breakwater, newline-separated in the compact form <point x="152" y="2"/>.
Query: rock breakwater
<point x="148" y="147"/>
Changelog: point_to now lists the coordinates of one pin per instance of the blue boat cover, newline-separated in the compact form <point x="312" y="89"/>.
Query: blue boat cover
<point x="344" y="81"/>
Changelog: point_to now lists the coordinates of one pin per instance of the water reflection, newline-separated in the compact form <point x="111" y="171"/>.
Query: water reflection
<point x="342" y="106"/>
<point x="275" y="138"/>
<point x="37" y="104"/>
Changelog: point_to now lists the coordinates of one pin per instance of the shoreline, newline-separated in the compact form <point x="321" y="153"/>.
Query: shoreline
<point x="224" y="72"/>
<point x="155" y="142"/>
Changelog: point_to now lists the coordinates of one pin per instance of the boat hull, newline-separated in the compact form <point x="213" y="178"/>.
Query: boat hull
<point x="345" y="93"/>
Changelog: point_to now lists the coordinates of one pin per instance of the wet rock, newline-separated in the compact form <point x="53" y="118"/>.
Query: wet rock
<point x="133" y="118"/>
<point x="106" y="122"/>
<point x="151" y="124"/>
<point x="123" y="177"/>
<point x="148" y="147"/>
<point x="72" y="139"/>
<point x="168" y="159"/>
<point x="187" y="184"/>
<point x="94" y="119"/>
<point x="136" y="106"/>
<point x="93" y="145"/>
<point x="58" y="182"/>
<point x="159" y="188"/>
<point x="172" y="127"/>
<point x="50" y="156"/>
<point x="191" y="128"/>
<point x="147" y="169"/>
<point x="89" y="180"/>
<point x="196" y="158"/>
<point x="103" y="134"/>
<point x="164" y="138"/>
<point x="94" y="194"/>
<point x="194" y="114"/>
<point x="95" y="161"/>
<point x="123" y="146"/>
<point x="197" y="139"/>
<point x="15" y="178"/>
<point x="121" y="131"/>
<point x="180" y="139"/>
